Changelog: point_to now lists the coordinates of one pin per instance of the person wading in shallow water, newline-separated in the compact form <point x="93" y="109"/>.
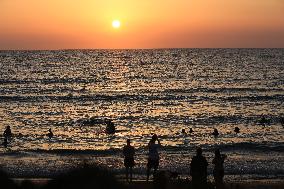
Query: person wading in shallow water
<point x="218" y="171"/>
<point x="198" y="170"/>
<point x="153" y="156"/>
<point x="128" y="152"/>
<point x="49" y="134"/>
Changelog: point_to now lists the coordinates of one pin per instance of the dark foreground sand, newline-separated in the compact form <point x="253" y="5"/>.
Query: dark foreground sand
<point x="180" y="184"/>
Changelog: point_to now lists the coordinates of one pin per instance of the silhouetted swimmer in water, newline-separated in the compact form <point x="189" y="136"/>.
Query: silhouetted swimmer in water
<point x="282" y="121"/>
<point x="183" y="131"/>
<point x="263" y="121"/>
<point x="237" y="130"/>
<point x="5" y="142"/>
<point x="198" y="170"/>
<point x="128" y="152"/>
<point x="215" y="133"/>
<point x="218" y="171"/>
<point x="153" y="156"/>
<point x="7" y="133"/>
<point x="190" y="130"/>
<point x="49" y="134"/>
<point x="110" y="128"/>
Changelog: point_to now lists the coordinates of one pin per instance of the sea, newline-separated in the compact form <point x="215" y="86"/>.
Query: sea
<point x="143" y="92"/>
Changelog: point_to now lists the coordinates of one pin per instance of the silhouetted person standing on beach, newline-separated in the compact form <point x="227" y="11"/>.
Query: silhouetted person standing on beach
<point x="49" y="134"/>
<point x="128" y="152"/>
<point x="153" y="156"/>
<point x="218" y="171"/>
<point x="7" y="133"/>
<point x="198" y="170"/>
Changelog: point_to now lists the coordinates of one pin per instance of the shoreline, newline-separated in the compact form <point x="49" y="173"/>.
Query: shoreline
<point x="178" y="183"/>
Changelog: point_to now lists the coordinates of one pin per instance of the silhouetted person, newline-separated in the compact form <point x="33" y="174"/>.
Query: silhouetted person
<point x="5" y="142"/>
<point x="263" y="121"/>
<point x="215" y="133"/>
<point x="110" y="128"/>
<point x="128" y="152"/>
<point x="49" y="134"/>
<point x="198" y="170"/>
<point x="282" y="121"/>
<point x="237" y="129"/>
<point x="183" y="131"/>
<point x="190" y="130"/>
<point x="7" y="133"/>
<point x="153" y="156"/>
<point x="218" y="171"/>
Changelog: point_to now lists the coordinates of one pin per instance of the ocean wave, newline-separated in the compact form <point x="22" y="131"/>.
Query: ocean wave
<point x="141" y="97"/>
<point x="242" y="146"/>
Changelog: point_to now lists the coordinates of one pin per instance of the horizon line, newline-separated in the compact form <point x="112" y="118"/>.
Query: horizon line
<point x="170" y="48"/>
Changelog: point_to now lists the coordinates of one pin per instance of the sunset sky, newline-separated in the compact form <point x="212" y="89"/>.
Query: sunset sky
<point x="75" y="24"/>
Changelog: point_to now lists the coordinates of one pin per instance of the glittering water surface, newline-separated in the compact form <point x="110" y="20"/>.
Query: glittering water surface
<point x="143" y="92"/>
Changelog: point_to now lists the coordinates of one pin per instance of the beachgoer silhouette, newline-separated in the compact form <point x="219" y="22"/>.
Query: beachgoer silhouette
<point x="190" y="130"/>
<point x="153" y="156"/>
<point x="110" y="128"/>
<point x="183" y="131"/>
<point x="198" y="170"/>
<point x="237" y="130"/>
<point x="218" y="171"/>
<point x="128" y="152"/>
<point x="7" y="133"/>
<point x="215" y="133"/>
<point x="5" y="142"/>
<point x="50" y="133"/>
<point x="263" y="121"/>
<point x="282" y="121"/>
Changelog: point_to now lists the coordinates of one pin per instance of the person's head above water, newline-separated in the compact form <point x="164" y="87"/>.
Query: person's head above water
<point x="199" y="151"/>
<point x="128" y="141"/>
<point x="154" y="137"/>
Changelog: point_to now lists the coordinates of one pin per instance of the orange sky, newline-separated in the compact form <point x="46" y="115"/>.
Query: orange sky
<point x="68" y="24"/>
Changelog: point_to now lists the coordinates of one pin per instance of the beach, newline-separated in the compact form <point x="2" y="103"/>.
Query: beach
<point x="143" y="92"/>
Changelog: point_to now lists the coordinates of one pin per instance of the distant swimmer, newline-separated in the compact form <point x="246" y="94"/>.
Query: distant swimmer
<point x="49" y="134"/>
<point x="237" y="130"/>
<point x="183" y="132"/>
<point x="264" y="121"/>
<point x="5" y="143"/>
<point x="215" y="133"/>
<point x="110" y="128"/>
<point x="190" y="130"/>
<point x="282" y="121"/>
<point x="7" y="133"/>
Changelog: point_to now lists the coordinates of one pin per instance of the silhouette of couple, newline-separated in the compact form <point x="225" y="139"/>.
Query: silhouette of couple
<point x="198" y="169"/>
<point x="153" y="157"/>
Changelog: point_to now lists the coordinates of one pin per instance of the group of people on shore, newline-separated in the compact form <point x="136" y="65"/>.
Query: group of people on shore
<point x="198" y="165"/>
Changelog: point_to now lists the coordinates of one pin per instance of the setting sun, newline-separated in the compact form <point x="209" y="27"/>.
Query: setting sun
<point x="116" y="23"/>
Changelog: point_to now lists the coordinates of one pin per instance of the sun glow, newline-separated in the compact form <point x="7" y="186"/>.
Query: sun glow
<point x="116" y="23"/>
